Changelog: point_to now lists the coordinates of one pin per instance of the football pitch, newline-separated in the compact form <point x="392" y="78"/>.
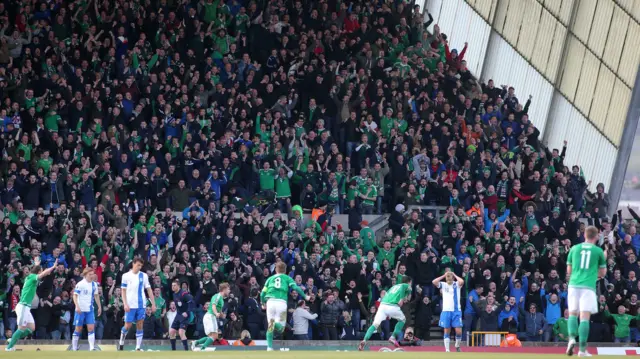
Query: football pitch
<point x="271" y="355"/>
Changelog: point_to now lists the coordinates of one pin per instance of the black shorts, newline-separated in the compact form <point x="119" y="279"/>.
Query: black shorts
<point x="180" y="322"/>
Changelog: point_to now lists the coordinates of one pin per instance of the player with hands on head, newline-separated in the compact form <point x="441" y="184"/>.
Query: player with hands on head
<point x="451" y="316"/>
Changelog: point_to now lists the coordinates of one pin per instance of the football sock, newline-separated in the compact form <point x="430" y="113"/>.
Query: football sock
<point x="583" y="333"/>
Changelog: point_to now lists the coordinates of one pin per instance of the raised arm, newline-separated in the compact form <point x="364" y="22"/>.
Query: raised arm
<point x="47" y="271"/>
<point x="459" y="280"/>
<point x="436" y="282"/>
<point x="294" y="286"/>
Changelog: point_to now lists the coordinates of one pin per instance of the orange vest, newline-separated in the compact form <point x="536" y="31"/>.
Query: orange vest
<point x="511" y="340"/>
<point x="239" y="343"/>
<point x="316" y="213"/>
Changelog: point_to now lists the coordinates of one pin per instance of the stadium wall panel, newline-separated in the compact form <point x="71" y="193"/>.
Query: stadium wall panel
<point x="587" y="146"/>
<point x="506" y="66"/>
<point x="469" y="27"/>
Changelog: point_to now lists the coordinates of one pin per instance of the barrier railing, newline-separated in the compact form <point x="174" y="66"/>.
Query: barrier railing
<point x="487" y="339"/>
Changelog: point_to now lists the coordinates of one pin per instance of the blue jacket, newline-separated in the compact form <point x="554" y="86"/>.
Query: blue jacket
<point x="518" y="293"/>
<point x="488" y="222"/>
<point x="468" y="308"/>
<point x="185" y="213"/>
<point x="635" y="239"/>
<point x="534" y="322"/>
<point x="216" y="184"/>
<point x="553" y="311"/>
<point x="162" y="237"/>
<point x="514" y="126"/>
<point x="49" y="259"/>
<point x="87" y="195"/>
<point x="487" y="116"/>
<point x="504" y="315"/>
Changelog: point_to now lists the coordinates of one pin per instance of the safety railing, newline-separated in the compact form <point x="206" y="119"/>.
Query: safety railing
<point x="487" y="339"/>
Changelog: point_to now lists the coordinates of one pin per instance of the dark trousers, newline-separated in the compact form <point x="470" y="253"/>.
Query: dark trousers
<point x="254" y="329"/>
<point x="599" y="332"/>
<point x="301" y="337"/>
<point x="329" y="332"/>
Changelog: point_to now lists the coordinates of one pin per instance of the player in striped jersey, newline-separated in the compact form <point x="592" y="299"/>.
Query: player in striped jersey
<point x="451" y="316"/>
<point x="134" y="283"/>
<point x="84" y="294"/>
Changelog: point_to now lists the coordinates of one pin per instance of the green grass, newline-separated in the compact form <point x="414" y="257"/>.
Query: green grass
<point x="267" y="355"/>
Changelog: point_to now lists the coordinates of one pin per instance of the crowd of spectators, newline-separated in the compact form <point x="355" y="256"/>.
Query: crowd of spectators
<point x="200" y="135"/>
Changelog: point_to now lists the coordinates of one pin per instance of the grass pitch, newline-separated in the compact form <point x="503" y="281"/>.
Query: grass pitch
<point x="268" y="355"/>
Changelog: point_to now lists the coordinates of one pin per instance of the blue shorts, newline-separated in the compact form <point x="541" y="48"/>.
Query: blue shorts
<point x="450" y="320"/>
<point x="134" y="315"/>
<point x="84" y="318"/>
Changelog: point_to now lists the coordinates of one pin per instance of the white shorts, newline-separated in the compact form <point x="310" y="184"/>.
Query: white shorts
<point x="277" y="310"/>
<point x="582" y="300"/>
<point x="24" y="315"/>
<point x="210" y="323"/>
<point x="388" y="311"/>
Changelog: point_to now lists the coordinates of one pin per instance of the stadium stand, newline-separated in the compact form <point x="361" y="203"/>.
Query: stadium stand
<point x="213" y="138"/>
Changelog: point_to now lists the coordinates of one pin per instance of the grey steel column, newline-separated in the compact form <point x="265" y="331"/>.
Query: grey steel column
<point x="626" y="144"/>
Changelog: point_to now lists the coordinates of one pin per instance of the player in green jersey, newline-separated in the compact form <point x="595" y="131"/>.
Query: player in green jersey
<point x="210" y="320"/>
<point x="586" y="263"/>
<point x="26" y="324"/>
<point x="275" y="294"/>
<point x="390" y="306"/>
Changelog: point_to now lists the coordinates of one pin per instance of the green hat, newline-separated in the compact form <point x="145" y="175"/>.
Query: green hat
<point x="297" y="208"/>
<point x="471" y="148"/>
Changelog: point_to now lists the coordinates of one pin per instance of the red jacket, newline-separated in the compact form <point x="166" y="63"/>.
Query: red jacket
<point x="491" y="202"/>
<point x="454" y="62"/>
<point x="351" y="25"/>
<point x="101" y="266"/>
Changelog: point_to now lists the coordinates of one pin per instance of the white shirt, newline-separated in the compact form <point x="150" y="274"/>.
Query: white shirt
<point x="135" y="284"/>
<point x="450" y="297"/>
<point x="86" y="291"/>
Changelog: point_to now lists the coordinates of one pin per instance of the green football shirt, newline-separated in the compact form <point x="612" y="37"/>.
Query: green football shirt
<point x="29" y="290"/>
<point x="267" y="179"/>
<point x="217" y="301"/>
<point x="277" y="287"/>
<point x="585" y="260"/>
<point x="397" y="293"/>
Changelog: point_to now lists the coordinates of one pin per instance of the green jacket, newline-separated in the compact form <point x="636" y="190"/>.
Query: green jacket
<point x="622" y="323"/>
<point x="368" y="239"/>
<point x="561" y="327"/>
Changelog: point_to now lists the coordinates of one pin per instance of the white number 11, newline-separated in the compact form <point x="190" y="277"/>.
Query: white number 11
<point x="585" y="258"/>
